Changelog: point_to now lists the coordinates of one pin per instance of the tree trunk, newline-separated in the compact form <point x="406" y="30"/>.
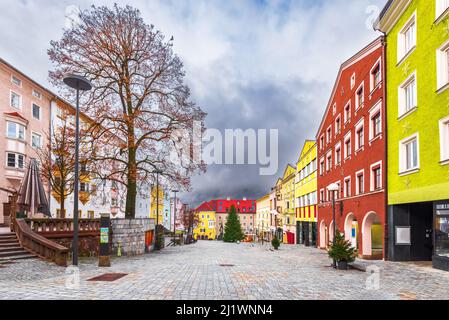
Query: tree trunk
<point x="131" y="193"/>
<point x="62" y="208"/>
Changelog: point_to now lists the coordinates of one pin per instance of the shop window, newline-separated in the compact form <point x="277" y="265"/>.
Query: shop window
<point x="442" y="233"/>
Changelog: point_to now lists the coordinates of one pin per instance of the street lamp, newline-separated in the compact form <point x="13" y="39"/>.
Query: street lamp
<point x="174" y="219"/>
<point x="80" y="84"/>
<point x="333" y="188"/>
<point x="157" y="172"/>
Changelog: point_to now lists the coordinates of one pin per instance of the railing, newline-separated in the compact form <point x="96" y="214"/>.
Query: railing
<point x="63" y="228"/>
<point x="38" y="245"/>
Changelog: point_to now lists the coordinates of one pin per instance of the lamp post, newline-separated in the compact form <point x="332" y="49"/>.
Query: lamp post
<point x="333" y="188"/>
<point x="80" y="84"/>
<point x="158" y="172"/>
<point x="174" y="219"/>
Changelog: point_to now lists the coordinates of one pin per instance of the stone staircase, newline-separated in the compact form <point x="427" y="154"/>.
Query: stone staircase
<point x="10" y="249"/>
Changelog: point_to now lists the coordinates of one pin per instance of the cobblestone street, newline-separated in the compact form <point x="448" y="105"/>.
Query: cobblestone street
<point x="215" y="270"/>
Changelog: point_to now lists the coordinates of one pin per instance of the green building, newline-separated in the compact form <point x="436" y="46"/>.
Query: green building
<point x="417" y="66"/>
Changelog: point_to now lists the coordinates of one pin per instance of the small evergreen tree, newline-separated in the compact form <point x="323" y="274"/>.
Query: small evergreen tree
<point x="233" y="229"/>
<point x="342" y="250"/>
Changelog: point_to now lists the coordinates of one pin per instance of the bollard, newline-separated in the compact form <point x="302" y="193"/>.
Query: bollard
<point x="119" y="249"/>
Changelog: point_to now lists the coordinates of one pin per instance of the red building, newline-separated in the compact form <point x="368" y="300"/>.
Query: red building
<point x="352" y="155"/>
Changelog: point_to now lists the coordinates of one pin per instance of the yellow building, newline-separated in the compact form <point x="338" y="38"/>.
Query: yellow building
<point x="205" y="228"/>
<point x="263" y="217"/>
<point x="306" y="194"/>
<point x="288" y="204"/>
<point x="154" y="207"/>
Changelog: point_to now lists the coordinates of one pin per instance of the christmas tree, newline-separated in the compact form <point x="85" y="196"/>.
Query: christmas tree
<point x="233" y="229"/>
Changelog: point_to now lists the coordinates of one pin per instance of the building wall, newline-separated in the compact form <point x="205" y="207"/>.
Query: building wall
<point x="288" y="199"/>
<point x="206" y="225"/>
<point x="431" y="181"/>
<point x="154" y="204"/>
<point x="263" y="221"/>
<point x="354" y="210"/>
<point x="306" y="184"/>
<point x="10" y="178"/>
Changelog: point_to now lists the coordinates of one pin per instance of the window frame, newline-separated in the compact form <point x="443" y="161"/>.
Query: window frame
<point x="402" y="52"/>
<point x="444" y="140"/>
<point x="33" y="134"/>
<point x="11" y="93"/>
<point x="32" y="111"/>
<point x="358" y="174"/>
<point x="20" y="85"/>
<point x="373" y="85"/>
<point x="348" y="137"/>
<point x="373" y="167"/>
<point x="362" y="88"/>
<point x="403" y="156"/>
<point x="402" y="95"/>
<point x="16" y="160"/>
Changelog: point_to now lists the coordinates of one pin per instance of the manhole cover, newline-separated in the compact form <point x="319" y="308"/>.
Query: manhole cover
<point x="109" y="277"/>
<point x="226" y="265"/>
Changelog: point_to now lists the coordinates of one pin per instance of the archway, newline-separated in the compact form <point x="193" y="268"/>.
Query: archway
<point x="323" y="235"/>
<point x="372" y="236"/>
<point x="331" y="232"/>
<point x="351" y="229"/>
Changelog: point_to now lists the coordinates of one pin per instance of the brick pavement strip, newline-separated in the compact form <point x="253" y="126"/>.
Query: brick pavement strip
<point x="194" y="272"/>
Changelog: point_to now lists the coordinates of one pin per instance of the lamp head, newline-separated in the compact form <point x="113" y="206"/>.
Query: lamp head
<point x="77" y="82"/>
<point x="333" y="187"/>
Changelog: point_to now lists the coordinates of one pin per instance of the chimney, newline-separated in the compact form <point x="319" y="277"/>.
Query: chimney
<point x="228" y="198"/>
<point x="244" y="198"/>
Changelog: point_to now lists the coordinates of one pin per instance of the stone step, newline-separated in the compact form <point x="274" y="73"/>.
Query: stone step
<point x="3" y="241"/>
<point x="23" y="256"/>
<point x="9" y="243"/>
<point x="15" y="248"/>
<point x="8" y="236"/>
<point x="12" y="253"/>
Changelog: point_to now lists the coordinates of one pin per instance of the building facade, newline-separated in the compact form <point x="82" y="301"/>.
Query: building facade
<point x="288" y="207"/>
<point x="306" y="195"/>
<point x="24" y="126"/>
<point x="418" y="129"/>
<point x="263" y="217"/>
<point x="206" y="225"/>
<point x="158" y="193"/>
<point x="351" y="155"/>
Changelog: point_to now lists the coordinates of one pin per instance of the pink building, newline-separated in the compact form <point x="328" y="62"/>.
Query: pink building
<point x="24" y="127"/>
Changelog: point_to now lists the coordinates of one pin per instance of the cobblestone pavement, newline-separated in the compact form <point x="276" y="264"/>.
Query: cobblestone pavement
<point x="215" y="270"/>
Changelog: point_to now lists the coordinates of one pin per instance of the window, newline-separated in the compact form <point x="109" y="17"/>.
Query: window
<point x="322" y="167"/>
<point x="328" y="134"/>
<point x="408" y="156"/>
<point x="334" y="109"/>
<point x="15" y="160"/>
<point x="376" y="77"/>
<point x="360" y="183"/>
<point x="360" y="136"/>
<point x="443" y="65"/>
<point x="338" y="125"/>
<point x="444" y="139"/>
<point x="347" y="187"/>
<point x="352" y="81"/>
<point x="377" y="178"/>
<point x="37" y="94"/>
<point x="338" y="154"/>
<point x="441" y="7"/>
<point x="329" y="162"/>
<point x="36" y="111"/>
<point x="347" y="116"/>
<point x="348" y="147"/>
<point x="407" y="95"/>
<point x="322" y="142"/>
<point x="360" y="97"/>
<point x="15" y="131"/>
<point x="407" y="38"/>
<point x="16" y="81"/>
<point x="442" y="232"/>
<point x="16" y="100"/>
<point x="322" y="196"/>
<point x="36" y="140"/>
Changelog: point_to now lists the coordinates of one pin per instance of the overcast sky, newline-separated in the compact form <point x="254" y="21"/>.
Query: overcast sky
<point x="262" y="64"/>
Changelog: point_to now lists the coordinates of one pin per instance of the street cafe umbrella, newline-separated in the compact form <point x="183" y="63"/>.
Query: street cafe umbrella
<point x="32" y="193"/>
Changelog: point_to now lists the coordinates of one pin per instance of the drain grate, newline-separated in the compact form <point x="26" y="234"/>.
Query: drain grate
<point x="226" y="265"/>
<point x="109" y="277"/>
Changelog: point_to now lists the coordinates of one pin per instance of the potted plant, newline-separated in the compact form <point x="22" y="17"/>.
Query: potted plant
<point x="275" y="243"/>
<point x="342" y="251"/>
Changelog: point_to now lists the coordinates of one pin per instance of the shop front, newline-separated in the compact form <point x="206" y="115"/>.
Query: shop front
<point x="440" y="259"/>
<point x="306" y="233"/>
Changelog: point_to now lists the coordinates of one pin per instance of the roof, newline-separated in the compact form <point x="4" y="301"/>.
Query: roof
<point x="382" y="13"/>
<point x="205" y="206"/>
<point x="248" y="206"/>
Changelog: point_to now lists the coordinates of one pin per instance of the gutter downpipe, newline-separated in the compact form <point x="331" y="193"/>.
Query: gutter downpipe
<point x="385" y="104"/>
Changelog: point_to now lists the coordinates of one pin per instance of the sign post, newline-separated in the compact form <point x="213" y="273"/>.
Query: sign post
<point x="103" y="257"/>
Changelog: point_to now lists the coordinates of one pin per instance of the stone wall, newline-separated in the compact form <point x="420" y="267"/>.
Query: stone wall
<point x="131" y="234"/>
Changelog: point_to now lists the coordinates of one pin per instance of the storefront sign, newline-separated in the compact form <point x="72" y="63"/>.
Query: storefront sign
<point x="442" y="206"/>
<point x="403" y="235"/>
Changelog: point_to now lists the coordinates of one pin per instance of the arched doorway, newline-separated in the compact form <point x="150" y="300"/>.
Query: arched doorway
<point x="323" y="235"/>
<point x="372" y="236"/>
<point x="351" y="229"/>
<point x="331" y="232"/>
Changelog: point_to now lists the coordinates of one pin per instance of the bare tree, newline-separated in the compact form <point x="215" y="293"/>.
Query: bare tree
<point x="139" y="95"/>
